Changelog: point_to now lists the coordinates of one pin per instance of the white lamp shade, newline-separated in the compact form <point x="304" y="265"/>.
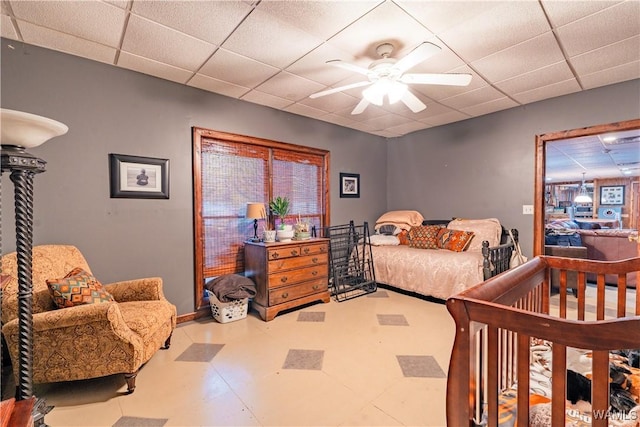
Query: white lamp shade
<point x="27" y="130"/>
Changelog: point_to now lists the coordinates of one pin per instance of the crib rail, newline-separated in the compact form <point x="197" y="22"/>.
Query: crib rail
<point x="496" y="320"/>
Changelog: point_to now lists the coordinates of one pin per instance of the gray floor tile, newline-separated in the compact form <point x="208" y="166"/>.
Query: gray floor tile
<point x="311" y="316"/>
<point x="199" y="352"/>
<point x="420" y="366"/>
<point x="140" y="422"/>
<point x="378" y="294"/>
<point x="392" y="320"/>
<point x="304" y="359"/>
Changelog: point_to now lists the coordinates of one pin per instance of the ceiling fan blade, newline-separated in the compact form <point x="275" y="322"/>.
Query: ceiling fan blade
<point x="437" y="79"/>
<point x="338" y="89"/>
<point x="347" y="66"/>
<point x="360" y="107"/>
<point x="416" y="56"/>
<point x="412" y="101"/>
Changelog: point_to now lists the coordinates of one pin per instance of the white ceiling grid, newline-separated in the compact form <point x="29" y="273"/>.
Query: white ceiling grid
<point x="274" y="52"/>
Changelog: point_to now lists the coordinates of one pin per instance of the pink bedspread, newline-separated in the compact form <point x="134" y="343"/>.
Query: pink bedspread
<point x="438" y="273"/>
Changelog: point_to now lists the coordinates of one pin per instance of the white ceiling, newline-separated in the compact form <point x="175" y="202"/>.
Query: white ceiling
<point x="274" y="53"/>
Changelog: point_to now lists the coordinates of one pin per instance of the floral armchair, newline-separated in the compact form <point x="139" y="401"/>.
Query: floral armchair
<point x="89" y="340"/>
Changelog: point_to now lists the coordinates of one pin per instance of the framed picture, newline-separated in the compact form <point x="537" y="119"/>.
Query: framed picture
<point x="349" y="185"/>
<point x="138" y="177"/>
<point x="612" y="195"/>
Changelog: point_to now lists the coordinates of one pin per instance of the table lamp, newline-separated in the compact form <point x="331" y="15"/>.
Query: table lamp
<point x="255" y="211"/>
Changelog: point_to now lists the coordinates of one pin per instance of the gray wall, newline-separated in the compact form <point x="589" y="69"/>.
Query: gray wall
<point x="484" y="167"/>
<point x="112" y="110"/>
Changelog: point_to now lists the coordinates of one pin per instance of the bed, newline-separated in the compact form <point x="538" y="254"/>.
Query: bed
<point x="520" y="354"/>
<point x="432" y="268"/>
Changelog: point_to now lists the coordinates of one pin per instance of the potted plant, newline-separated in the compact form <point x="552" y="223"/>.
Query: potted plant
<point x="280" y="208"/>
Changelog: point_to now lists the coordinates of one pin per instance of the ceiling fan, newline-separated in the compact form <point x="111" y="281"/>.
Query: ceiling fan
<point x="387" y="76"/>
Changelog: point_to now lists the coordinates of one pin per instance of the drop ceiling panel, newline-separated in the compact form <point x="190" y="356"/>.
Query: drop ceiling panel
<point x="289" y="86"/>
<point x="446" y="118"/>
<point x="211" y="21"/>
<point x="305" y="110"/>
<point x="314" y="65"/>
<point x="217" y="86"/>
<point x="563" y="12"/>
<point x="338" y="101"/>
<point x="95" y="21"/>
<point x="153" y="68"/>
<point x="613" y="75"/>
<point x="265" y="38"/>
<point x="503" y="26"/>
<point x="535" y="79"/>
<point x="237" y="69"/>
<point x="545" y="92"/>
<point x="474" y="97"/>
<point x="608" y="26"/>
<point x="322" y="19"/>
<point x="41" y="36"/>
<point x="154" y="41"/>
<point x="379" y="26"/>
<point x="489" y="107"/>
<point x="534" y="53"/>
<point x="269" y="100"/>
<point x="610" y="56"/>
<point x="6" y="28"/>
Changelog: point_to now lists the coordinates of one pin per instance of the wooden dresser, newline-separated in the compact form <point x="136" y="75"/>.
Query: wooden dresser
<point x="287" y="274"/>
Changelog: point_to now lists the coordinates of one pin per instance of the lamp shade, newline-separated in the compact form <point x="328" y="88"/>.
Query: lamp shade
<point x="256" y="211"/>
<point x="27" y="130"/>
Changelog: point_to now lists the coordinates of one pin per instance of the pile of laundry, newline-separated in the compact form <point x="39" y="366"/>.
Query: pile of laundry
<point x="231" y="287"/>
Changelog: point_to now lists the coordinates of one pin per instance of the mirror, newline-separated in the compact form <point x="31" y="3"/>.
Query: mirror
<point x="609" y="171"/>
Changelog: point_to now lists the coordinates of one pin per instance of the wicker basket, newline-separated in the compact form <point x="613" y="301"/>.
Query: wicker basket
<point x="225" y="312"/>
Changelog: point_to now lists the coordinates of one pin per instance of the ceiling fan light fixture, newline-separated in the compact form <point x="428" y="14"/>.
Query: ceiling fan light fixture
<point x="375" y="93"/>
<point x="397" y="91"/>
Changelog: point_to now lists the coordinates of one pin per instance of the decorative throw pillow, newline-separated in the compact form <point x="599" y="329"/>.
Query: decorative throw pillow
<point x="454" y="240"/>
<point x="488" y="229"/>
<point x="77" y="288"/>
<point x="403" y="236"/>
<point x="424" y="236"/>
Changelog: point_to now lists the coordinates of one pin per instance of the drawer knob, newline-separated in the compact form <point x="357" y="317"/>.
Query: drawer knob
<point x="316" y="287"/>
<point x="294" y="252"/>
<point x="275" y="255"/>
<point x="283" y="279"/>
<point x="285" y="295"/>
<point x="306" y="250"/>
<point x="314" y="259"/>
<point x="314" y="273"/>
<point x="322" y="249"/>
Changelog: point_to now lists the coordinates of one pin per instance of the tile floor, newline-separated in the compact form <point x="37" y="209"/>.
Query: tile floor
<point x="376" y="360"/>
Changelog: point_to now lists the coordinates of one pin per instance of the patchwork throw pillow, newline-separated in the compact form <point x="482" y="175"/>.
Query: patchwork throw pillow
<point x="454" y="240"/>
<point x="424" y="236"/>
<point x="77" y="288"/>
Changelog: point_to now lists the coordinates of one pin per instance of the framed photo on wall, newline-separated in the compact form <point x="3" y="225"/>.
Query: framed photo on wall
<point x="349" y="185"/>
<point x="137" y="177"/>
<point x="612" y="195"/>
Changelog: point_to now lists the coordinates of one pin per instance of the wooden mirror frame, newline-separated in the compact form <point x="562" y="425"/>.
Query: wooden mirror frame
<point x="540" y="169"/>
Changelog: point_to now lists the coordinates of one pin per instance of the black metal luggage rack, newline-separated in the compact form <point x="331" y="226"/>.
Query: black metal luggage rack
<point x="350" y="261"/>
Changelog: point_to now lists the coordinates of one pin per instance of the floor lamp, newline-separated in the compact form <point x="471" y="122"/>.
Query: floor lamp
<point x="21" y="131"/>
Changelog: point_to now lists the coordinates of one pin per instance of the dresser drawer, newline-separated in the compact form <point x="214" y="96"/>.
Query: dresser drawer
<point x="295" y="276"/>
<point x="297" y="262"/>
<point x="282" y="295"/>
<point x="283" y="252"/>
<point x="315" y="248"/>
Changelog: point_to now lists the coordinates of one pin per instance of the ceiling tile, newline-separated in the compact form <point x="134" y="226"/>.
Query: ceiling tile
<point x="382" y="25"/>
<point x="329" y="103"/>
<point x="289" y="86"/>
<point x="321" y="18"/>
<point x="613" y="75"/>
<point x="153" y="68"/>
<point x="269" y="100"/>
<point x="563" y="12"/>
<point x="313" y="66"/>
<point x="600" y="29"/>
<point x="443" y="119"/>
<point x="519" y="59"/>
<point x="490" y="107"/>
<point x="408" y="127"/>
<point x="95" y="21"/>
<point x="50" y="39"/>
<point x="549" y="91"/>
<point x="508" y="24"/>
<point x="211" y="21"/>
<point x="386" y="121"/>
<point x="370" y="112"/>
<point x="339" y="120"/>
<point x="151" y="40"/>
<point x="119" y="3"/>
<point x="271" y="41"/>
<point x="217" y="86"/>
<point x="439" y="16"/>
<point x="6" y="28"/>
<point x="237" y="69"/>
<point x="615" y="54"/>
<point x="541" y="77"/>
<point x="473" y="97"/>
<point x="305" y="110"/>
